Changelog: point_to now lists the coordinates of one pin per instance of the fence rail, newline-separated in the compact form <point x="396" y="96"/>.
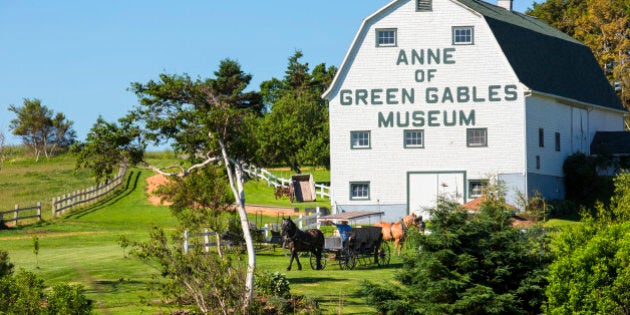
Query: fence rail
<point x="18" y="214"/>
<point x="67" y="201"/>
<point x="271" y="179"/>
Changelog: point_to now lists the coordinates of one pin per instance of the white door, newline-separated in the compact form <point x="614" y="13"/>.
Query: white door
<point x="579" y="130"/>
<point x="424" y="189"/>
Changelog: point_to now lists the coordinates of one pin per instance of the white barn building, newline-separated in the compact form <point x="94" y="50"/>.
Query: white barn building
<point x="435" y="96"/>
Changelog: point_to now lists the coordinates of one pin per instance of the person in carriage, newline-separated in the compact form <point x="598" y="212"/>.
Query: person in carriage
<point x="344" y="230"/>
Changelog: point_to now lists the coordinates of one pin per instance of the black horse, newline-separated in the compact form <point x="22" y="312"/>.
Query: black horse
<point x="302" y="241"/>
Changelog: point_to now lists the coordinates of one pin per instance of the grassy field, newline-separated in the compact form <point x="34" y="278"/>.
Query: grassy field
<point x="25" y="182"/>
<point x="81" y="247"/>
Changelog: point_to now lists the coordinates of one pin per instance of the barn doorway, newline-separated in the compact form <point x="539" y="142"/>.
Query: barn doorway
<point x="424" y="188"/>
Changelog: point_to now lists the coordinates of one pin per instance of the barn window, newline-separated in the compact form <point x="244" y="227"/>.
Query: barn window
<point x="423" y="5"/>
<point x="360" y="191"/>
<point x="360" y="139"/>
<point x="477" y="137"/>
<point x="386" y="37"/>
<point x="414" y="138"/>
<point x="541" y="137"/>
<point x="558" y="141"/>
<point x="476" y="187"/>
<point x="463" y="35"/>
<point x="537" y="162"/>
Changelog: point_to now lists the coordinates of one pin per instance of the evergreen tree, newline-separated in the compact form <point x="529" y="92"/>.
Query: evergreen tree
<point x="468" y="264"/>
<point x="295" y="130"/>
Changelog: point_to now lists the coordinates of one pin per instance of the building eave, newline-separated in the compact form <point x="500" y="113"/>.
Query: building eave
<point x="577" y="103"/>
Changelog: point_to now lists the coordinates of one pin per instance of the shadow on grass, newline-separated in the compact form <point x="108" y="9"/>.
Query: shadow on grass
<point x="130" y="187"/>
<point x="116" y="286"/>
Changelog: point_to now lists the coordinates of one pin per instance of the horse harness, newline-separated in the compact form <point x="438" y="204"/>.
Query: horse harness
<point x="298" y="237"/>
<point x="402" y="226"/>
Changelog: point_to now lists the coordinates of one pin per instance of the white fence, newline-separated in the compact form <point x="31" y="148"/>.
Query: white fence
<point x="304" y="222"/>
<point x="67" y="201"/>
<point x="321" y="190"/>
<point x="19" y="214"/>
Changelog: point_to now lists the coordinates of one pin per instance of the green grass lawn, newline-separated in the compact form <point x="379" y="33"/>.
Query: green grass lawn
<point x="81" y="247"/>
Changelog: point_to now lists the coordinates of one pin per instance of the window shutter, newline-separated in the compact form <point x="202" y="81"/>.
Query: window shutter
<point x="423" y="5"/>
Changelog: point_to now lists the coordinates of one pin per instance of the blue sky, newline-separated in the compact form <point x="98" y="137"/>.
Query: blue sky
<point x="79" y="57"/>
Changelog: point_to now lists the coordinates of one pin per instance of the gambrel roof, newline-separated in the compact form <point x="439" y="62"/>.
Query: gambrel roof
<point x="544" y="59"/>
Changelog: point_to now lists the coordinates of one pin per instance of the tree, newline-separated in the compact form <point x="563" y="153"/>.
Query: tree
<point x="602" y="25"/>
<point x="214" y="283"/>
<point x="295" y="131"/>
<point x="40" y="129"/>
<point x="207" y="122"/>
<point x="469" y="264"/>
<point x="107" y="145"/>
<point x="592" y="274"/>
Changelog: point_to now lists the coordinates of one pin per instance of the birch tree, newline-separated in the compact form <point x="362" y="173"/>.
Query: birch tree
<point x="206" y="121"/>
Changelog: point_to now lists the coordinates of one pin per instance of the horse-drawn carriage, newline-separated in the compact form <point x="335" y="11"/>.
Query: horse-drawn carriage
<point x="364" y="245"/>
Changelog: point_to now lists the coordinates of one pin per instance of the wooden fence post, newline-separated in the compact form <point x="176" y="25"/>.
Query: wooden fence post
<point x="39" y="211"/>
<point x="185" y="241"/>
<point x="266" y="230"/>
<point x="15" y="214"/>
<point x="54" y="214"/>
<point x="206" y="239"/>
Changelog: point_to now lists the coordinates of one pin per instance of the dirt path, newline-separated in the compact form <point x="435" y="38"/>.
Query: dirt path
<point x="155" y="181"/>
<point x="44" y="234"/>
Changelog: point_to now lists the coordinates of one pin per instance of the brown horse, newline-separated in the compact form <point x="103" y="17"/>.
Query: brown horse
<point x="282" y="191"/>
<point x="396" y="231"/>
<point x="302" y="241"/>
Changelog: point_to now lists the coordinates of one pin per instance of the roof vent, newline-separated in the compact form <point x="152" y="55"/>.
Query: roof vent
<point x="506" y="4"/>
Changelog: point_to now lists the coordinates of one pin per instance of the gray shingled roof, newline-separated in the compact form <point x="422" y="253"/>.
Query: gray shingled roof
<point x="611" y="143"/>
<point x="545" y="59"/>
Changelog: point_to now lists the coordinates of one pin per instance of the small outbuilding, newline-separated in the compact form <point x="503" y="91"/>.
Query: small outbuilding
<point x="304" y="187"/>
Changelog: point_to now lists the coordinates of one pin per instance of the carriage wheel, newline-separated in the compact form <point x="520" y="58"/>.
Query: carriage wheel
<point x="322" y="261"/>
<point x="347" y="260"/>
<point x="383" y="255"/>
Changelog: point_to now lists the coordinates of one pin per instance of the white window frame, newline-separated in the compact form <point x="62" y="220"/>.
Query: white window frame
<point x="391" y="37"/>
<point x="410" y="135"/>
<point x="460" y="39"/>
<point x="477" y="137"/>
<point x="357" y="139"/>
<point x="362" y="191"/>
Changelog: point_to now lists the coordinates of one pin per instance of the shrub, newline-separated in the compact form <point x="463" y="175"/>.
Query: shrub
<point x="582" y="183"/>
<point x="68" y="299"/>
<point x="23" y="293"/>
<point x="272" y="284"/>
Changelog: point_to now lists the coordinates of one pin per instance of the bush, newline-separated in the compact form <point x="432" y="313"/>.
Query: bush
<point x="272" y="284"/>
<point x="68" y="299"/>
<point x="23" y="293"/>
<point x="582" y="183"/>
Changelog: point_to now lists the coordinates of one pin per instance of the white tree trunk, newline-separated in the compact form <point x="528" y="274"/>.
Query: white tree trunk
<point x="235" y="177"/>
<point x="236" y="183"/>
